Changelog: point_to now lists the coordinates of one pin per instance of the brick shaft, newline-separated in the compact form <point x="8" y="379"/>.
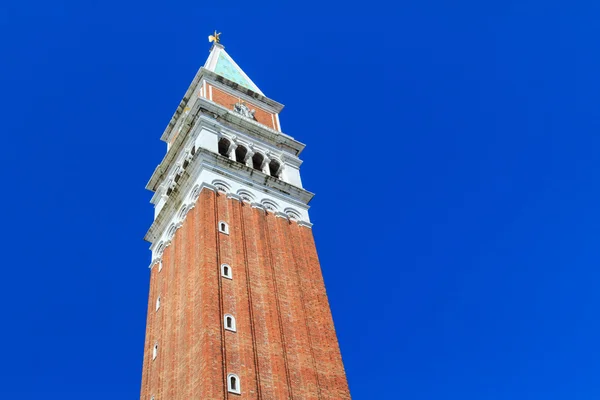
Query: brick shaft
<point x="285" y="346"/>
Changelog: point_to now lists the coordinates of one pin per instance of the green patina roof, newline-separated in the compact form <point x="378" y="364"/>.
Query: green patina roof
<point x="227" y="69"/>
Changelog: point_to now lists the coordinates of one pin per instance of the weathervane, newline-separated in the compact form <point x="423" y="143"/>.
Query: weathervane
<point x="215" y="37"/>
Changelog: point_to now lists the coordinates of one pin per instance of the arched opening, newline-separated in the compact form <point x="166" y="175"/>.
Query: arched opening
<point x="155" y="351"/>
<point x="224" y="145"/>
<point x="223" y="227"/>
<point x="240" y="154"/>
<point x="157" y="303"/>
<point x="257" y="161"/>
<point x="229" y="322"/>
<point x="274" y="168"/>
<point x="226" y="271"/>
<point x="233" y="384"/>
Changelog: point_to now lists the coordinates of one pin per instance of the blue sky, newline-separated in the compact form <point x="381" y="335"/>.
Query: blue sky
<point x="452" y="146"/>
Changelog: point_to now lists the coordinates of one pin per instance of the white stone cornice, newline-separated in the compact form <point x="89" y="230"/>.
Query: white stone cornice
<point x="295" y="161"/>
<point x="254" y="184"/>
<point x="234" y="196"/>
<point x="283" y="215"/>
<point x="186" y="138"/>
<point x="176" y="220"/>
<point x="305" y="224"/>
<point x="239" y="91"/>
<point x="245" y="170"/>
<point x="189" y="98"/>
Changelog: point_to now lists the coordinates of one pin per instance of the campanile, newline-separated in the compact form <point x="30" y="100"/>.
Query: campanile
<point x="237" y="306"/>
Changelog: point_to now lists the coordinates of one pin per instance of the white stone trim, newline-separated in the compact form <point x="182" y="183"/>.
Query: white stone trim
<point x="206" y="169"/>
<point x="278" y="128"/>
<point x="243" y="96"/>
<point x="292" y="214"/>
<point x="234" y="196"/>
<point x="171" y="231"/>
<point x="267" y="139"/>
<point x="230" y="388"/>
<point x="223" y="227"/>
<point x="305" y="224"/>
<point x="288" y="212"/>
<point x="259" y="206"/>
<point x="232" y="328"/>
<point x="224" y="274"/>
<point x="269" y="205"/>
<point x="296" y="212"/>
<point x="189" y="99"/>
<point x="280" y="214"/>
<point x="221" y="185"/>
<point x="268" y="152"/>
<point x="246" y="195"/>
<point x="174" y="173"/>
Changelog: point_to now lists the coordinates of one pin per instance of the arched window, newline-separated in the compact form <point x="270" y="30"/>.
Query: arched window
<point x="226" y="271"/>
<point x="223" y="227"/>
<point x="157" y="303"/>
<point x="274" y="168"/>
<point x="240" y="154"/>
<point x="230" y="322"/>
<point x="155" y="351"/>
<point x="257" y="161"/>
<point x="233" y="384"/>
<point x="224" y="145"/>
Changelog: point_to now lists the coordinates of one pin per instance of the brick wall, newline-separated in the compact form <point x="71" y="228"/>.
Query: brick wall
<point x="285" y="346"/>
<point x="226" y="100"/>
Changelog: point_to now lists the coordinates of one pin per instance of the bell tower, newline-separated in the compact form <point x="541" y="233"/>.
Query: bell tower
<point x="237" y="305"/>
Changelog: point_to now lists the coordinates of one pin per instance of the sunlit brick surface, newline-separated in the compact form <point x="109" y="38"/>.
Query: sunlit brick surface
<point x="227" y="101"/>
<point x="285" y="346"/>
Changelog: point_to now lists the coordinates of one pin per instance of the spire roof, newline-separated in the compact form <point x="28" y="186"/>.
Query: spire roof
<point x="222" y="64"/>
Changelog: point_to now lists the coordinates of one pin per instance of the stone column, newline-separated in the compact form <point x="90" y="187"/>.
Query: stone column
<point x="231" y="151"/>
<point x="248" y="160"/>
<point x="265" y="166"/>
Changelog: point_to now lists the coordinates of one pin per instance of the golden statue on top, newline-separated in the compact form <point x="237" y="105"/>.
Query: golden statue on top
<point x="215" y="37"/>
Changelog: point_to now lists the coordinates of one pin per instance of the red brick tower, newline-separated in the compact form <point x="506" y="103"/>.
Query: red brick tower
<point x="237" y="305"/>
